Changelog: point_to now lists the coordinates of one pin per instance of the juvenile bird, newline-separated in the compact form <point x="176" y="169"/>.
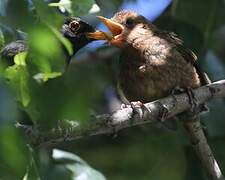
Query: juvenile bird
<point x="74" y="29"/>
<point x="153" y="62"/>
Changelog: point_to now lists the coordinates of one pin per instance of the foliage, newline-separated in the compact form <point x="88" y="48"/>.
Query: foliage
<point x="39" y="89"/>
<point x="1" y="40"/>
<point x="45" y="94"/>
<point x="62" y="165"/>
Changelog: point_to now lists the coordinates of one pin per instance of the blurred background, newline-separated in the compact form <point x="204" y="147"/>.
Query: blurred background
<point x="144" y="152"/>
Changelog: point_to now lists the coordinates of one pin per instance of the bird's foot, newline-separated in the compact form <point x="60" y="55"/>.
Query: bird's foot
<point x="140" y="108"/>
<point x="124" y="106"/>
<point x="163" y="112"/>
<point x="192" y="99"/>
<point x="178" y="90"/>
<point x="195" y="109"/>
<point x="134" y="105"/>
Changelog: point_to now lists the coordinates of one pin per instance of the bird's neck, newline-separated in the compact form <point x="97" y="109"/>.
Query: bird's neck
<point x="133" y="49"/>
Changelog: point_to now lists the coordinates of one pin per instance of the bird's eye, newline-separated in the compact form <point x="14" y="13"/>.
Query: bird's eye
<point x="74" y="25"/>
<point x="130" y="22"/>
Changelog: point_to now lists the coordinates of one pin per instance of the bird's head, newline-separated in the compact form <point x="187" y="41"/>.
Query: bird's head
<point x="125" y="26"/>
<point x="75" y="30"/>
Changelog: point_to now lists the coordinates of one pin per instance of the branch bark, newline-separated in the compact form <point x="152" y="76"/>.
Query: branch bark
<point x="203" y="150"/>
<point x="158" y="111"/>
<point x="109" y="123"/>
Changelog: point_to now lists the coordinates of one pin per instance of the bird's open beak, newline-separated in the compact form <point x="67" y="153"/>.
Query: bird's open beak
<point x="115" y="28"/>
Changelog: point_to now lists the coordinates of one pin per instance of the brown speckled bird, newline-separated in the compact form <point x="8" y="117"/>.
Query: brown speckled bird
<point x="153" y="62"/>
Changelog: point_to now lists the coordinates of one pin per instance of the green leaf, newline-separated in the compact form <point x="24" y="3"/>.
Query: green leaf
<point x="94" y="9"/>
<point x="79" y="168"/>
<point x="18" y="77"/>
<point x="46" y="54"/>
<point x="18" y="14"/>
<point x="43" y="77"/>
<point x="65" y="98"/>
<point x="13" y="155"/>
<point x="63" y="5"/>
<point x="66" y="6"/>
<point x="20" y="58"/>
<point x="2" y="41"/>
<point x="2" y="68"/>
<point x="80" y="8"/>
<point x="63" y="40"/>
<point x="209" y="12"/>
<point x="8" y="106"/>
<point x="48" y="14"/>
<point x="32" y="169"/>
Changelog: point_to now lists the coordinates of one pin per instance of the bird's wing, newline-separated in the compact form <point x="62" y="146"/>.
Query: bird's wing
<point x="188" y="55"/>
<point x="10" y="50"/>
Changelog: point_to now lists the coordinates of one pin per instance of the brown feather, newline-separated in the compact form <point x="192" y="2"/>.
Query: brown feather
<point x="154" y="62"/>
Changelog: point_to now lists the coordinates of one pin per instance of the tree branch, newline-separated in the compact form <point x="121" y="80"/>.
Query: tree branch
<point x="158" y="111"/>
<point x="203" y="150"/>
<point x="109" y="123"/>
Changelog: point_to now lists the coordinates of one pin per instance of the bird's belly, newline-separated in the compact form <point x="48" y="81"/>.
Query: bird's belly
<point x="142" y="90"/>
<point x="155" y="83"/>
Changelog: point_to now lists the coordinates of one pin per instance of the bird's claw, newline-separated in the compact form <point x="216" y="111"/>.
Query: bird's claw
<point x="192" y="99"/>
<point x="178" y="90"/>
<point x="140" y="108"/>
<point x="163" y="113"/>
<point x="124" y="106"/>
<point x="195" y="108"/>
<point x="141" y="105"/>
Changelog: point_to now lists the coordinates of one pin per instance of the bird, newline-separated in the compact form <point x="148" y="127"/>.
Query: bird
<point x="153" y="62"/>
<point x="74" y="29"/>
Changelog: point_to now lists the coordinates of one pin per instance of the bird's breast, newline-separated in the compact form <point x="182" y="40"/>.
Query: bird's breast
<point x="155" y="75"/>
<point x="139" y="85"/>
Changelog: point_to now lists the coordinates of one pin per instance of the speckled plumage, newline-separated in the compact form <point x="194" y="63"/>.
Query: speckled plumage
<point x="153" y="62"/>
